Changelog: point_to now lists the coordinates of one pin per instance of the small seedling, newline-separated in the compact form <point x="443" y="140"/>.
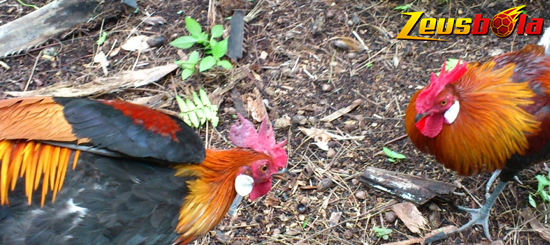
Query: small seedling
<point x="402" y="8"/>
<point x="199" y="110"/>
<point x="543" y="190"/>
<point x="382" y="232"/>
<point x="102" y="38"/>
<point x="451" y="63"/>
<point x="213" y="49"/>
<point x="392" y="155"/>
<point x="305" y="223"/>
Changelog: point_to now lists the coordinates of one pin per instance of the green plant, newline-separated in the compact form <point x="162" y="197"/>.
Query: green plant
<point x="543" y="190"/>
<point x="199" y="110"/>
<point x="102" y="38"/>
<point x="382" y="232"/>
<point x="451" y="63"/>
<point x="402" y="8"/>
<point x="213" y="49"/>
<point x="393" y="156"/>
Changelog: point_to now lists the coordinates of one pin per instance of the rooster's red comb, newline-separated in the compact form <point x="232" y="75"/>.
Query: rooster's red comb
<point x="437" y="83"/>
<point x="263" y="140"/>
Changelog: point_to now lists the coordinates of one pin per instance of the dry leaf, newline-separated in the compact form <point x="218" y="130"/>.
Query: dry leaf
<point x="255" y="105"/>
<point x="102" y="60"/>
<point x="136" y="43"/>
<point x="153" y="20"/>
<point x="411" y="217"/>
<point x="320" y="136"/>
<point x="342" y="111"/>
<point x="156" y="101"/>
<point x="263" y="55"/>
<point x="102" y="85"/>
<point x="335" y="218"/>
<point x="541" y="229"/>
<point x="348" y="43"/>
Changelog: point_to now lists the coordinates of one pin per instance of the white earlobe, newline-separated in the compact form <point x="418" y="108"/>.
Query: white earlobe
<point x="243" y="184"/>
<point x="451" y="114"/>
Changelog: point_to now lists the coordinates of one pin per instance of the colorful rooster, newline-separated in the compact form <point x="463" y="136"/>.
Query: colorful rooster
<point x="486" y="117"/>
<point x="82" y="171"/>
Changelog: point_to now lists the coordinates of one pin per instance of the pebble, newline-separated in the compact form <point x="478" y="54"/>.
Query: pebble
<point x="331" y="153"/>
<point x="350" y="127"/>
<point x="155" y="41"/>
<point x="230" y="110"/>
<point x="355" y="181"/>
<point x="352" y="55"/>
<point x="299" y="119"/>
<point x="307" y="171"/>
<point x="390" y="216"/>
<point x="326" y="87"/>
<point x="330" y="13"/>
<point x="361" y="195"/>
<point x="301" y="208"/>
<point x="348" y="234"/>
<point x="325" y="184"/>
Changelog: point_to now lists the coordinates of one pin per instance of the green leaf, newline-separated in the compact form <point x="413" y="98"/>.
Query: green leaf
<point x="225" y="64"/>
<point x="184" y="42"/>
<point x="219" y="49"/>
<point x="544" y="195"/>
<point x="183" y="108"/>
<point x="206" y="63"/>
<point x="213" y="43"/>
<point x="450" y="64"/>
<point x="305" y="223"/>
<point x="203" y="38"/>
<point x="381" y="231"/>
<point x="193" y="27"/>
<point x="391" y="159"/>
<point x="193" y="57"/>
<point x="216" y="31"/>
<point x="204" y="98"/>
<point x="402" y="7"/>
<point x="186" y="73"/>
<point x="393" y="154"/>
<point x="532" y="201"/>
<point x="192" y="116"/>
<point x="102" y="38"/>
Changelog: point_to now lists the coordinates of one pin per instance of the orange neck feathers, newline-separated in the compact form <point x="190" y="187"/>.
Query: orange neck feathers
<point x="491" y="100"/>
<point x="212" y="192"/>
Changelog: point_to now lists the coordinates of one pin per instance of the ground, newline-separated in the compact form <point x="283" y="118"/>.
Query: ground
<point x="292" y="49"/>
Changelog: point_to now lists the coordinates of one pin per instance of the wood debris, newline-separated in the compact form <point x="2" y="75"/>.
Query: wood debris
<point x="102" y="85"/>
<point x="411" y="188"/>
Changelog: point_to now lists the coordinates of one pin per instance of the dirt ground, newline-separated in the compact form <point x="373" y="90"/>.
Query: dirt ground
<point x="303" y="76"/>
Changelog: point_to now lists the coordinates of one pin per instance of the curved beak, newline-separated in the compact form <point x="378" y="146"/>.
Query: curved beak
<point x="419" y="116"/>
<point x="282" y="174"/>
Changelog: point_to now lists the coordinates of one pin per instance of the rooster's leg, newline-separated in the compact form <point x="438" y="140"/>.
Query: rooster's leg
<point x="480" y="216"/>
<point x="490" y="183"/>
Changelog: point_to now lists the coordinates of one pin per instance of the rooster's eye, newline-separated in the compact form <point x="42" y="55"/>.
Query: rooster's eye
<point x="443" y="102"/>
<point x="263" y="168"/>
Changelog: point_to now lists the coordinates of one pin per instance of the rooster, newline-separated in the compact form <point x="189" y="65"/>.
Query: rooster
<point x="82" y="171"/>
<point x="486" y="117"/>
